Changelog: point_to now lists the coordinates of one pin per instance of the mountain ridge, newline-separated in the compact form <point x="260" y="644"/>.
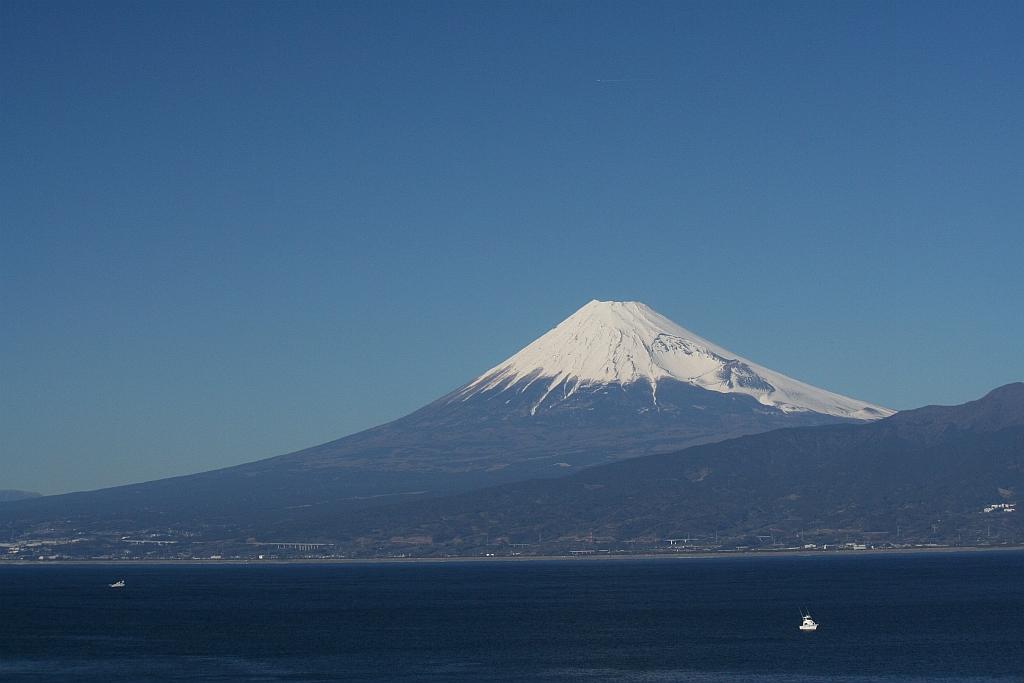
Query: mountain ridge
<point x="927" y="474"/>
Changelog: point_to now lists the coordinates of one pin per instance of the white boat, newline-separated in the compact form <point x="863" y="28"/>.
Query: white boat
<point x="808" y="624"/>
<point x="118" y="584"/>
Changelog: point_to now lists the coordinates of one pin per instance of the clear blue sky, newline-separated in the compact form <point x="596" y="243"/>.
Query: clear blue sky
<point x="236" y="229"/>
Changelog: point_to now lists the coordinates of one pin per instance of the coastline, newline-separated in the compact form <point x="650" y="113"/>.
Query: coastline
<point x="873" y="552"/>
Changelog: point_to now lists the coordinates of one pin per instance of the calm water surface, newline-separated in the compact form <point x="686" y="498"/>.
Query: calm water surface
<point x="952" y="617"/>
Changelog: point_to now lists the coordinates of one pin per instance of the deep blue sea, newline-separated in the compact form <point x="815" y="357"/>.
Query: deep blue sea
<point x="953" y="617"/>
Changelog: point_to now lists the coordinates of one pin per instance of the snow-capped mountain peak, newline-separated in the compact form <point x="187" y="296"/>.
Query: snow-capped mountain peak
<point x="624" y="342"/>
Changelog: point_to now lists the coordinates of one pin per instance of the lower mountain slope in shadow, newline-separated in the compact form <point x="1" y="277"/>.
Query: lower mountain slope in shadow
<point x="925" y="474"/>
<point x="440" y="449"/>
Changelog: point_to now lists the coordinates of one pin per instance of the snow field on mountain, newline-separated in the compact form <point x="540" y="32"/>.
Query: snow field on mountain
<point x="623" y="342"/>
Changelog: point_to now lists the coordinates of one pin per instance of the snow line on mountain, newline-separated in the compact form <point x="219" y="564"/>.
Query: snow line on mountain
<point x="622" y="342"/>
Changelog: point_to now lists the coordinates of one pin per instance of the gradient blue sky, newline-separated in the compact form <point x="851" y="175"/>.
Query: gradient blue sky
<point x="232" y="230"/>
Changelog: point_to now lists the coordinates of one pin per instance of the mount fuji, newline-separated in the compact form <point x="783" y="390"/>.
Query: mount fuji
<point x="623" y="343"/>
<point x="615" y="380"/>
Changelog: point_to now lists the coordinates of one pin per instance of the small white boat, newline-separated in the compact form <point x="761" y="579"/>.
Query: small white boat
<point x="808" y="624"/>
<point x="118" y="584"/>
